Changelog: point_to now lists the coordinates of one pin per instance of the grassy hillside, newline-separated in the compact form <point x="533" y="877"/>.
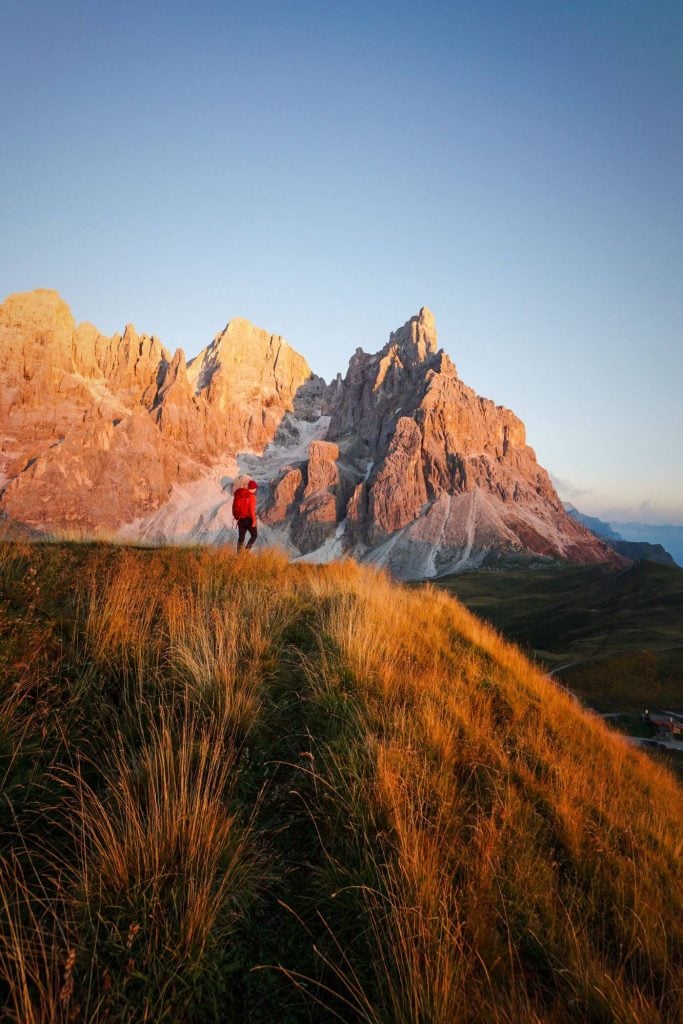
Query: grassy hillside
<point x="615" y="638"/>
<point x="236" y="789"/>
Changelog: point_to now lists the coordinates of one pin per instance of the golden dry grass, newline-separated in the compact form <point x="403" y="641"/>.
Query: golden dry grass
<point x="364" y="786"/>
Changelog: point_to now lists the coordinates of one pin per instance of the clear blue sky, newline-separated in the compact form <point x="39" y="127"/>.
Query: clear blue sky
<point x="327" y="168"/>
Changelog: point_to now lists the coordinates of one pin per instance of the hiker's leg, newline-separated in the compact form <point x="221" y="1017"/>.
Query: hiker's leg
<point x="241" y="532"/>
<point x="253" y="534"/>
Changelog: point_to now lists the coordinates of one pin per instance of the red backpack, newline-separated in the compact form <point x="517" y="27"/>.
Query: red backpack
<point x="241" y="503"/>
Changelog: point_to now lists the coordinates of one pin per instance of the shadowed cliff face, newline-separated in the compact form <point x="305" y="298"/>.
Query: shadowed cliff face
<point x="398" y="462"/>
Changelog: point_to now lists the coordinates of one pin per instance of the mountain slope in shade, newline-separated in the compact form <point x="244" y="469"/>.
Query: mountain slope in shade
<point x="642" y="551"/>
<point x="398" y="463"/>
<point x="670" y="536"/>
<point x="636" y="550"/>
<point x="597" y="526"/>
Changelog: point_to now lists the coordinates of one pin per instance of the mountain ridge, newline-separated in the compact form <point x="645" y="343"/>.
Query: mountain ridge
<point x="633" y="549"/>
<point x="398" y="462"/>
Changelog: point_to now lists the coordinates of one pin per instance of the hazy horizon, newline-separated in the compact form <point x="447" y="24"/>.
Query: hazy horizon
<point x="326" y="171"/>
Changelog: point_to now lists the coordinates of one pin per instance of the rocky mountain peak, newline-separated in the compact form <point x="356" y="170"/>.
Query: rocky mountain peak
<point x="417" y="339"/>
<point x="250" y="358"/>
<point x="37" y="328"/>
<point x="41" y="307"/>
<point x="398" y="463"/>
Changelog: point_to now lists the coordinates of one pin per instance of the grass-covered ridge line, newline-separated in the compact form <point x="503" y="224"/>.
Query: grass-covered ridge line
<point x="236" y="789"/>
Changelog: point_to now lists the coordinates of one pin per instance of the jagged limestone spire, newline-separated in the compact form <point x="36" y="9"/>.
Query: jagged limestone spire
<point x="417" y="338"/>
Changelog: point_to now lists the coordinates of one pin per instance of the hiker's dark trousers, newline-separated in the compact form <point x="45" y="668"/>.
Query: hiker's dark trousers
<point x="244" y="527"/>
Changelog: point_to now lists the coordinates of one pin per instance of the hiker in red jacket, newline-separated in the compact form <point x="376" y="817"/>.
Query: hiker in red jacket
<point x="244" y="511"/>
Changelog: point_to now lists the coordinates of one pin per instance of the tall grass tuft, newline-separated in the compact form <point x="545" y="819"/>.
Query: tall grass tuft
<point x="165" y="867"/>
<point x="36" y="956"/>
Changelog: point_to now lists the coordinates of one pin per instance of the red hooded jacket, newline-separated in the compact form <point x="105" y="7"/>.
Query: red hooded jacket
<point x="244" y="504"/>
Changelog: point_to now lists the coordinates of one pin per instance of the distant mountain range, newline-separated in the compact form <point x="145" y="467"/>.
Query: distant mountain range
<point x="671" y="537"/>
<point x="636" y="540"/>
<point x="398" y="463"/>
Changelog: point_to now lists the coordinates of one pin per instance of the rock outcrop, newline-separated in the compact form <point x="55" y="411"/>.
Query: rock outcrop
<point x="320" y="507"/>
<point x="398" y="492"/>
<point x="286" y="490"/>
<point x="398" y="462"/>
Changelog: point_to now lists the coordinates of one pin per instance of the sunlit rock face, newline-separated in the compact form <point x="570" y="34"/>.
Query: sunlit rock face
<point x="96" y="431"/>
<point x="398" y="462"/>
<point x="444" y="479"/>
<point x="248" y="380"/>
